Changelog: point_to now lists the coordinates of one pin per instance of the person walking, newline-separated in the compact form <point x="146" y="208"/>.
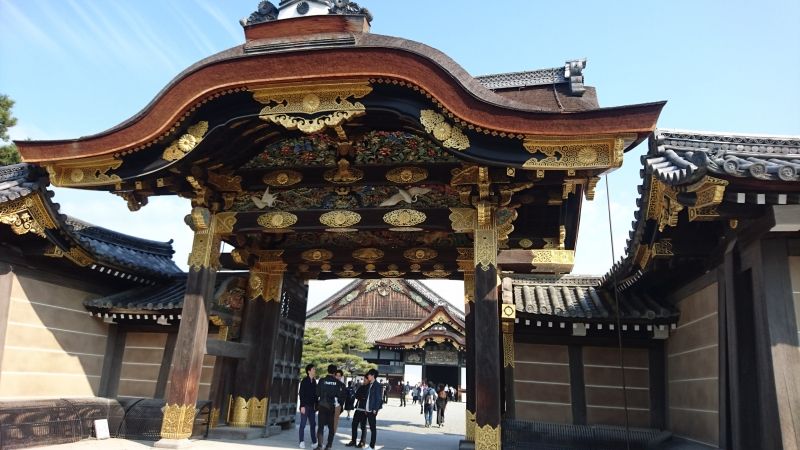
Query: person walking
<point x="415" y="394"/>
<point x="429" y="403"/>
<point x="350" y="398"/>
<point x="360" y="416"/>
<point x="441" y="404"/>
<point x="308" y="405"/>
<point x="330" y="392"/>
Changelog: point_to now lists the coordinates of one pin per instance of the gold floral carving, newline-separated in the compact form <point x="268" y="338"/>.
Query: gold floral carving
<point x="79" y="256"/>
<point x="470" y="426"/>
<point x="282" y="178"/>
<point x="340" y="219"/>
<point x="568" y="188"/>
<point x="205" y="251"/>
<point x="225" y="182"/>
<point x="183" y="145"/>
<point x="469" y="286"/>
<point x="257" y="412"/>
<point x="277" y="220"/>
<point x="213" y="420"/>
<point x="463" y="219"/>
<point x="404" y="217"/>
<point x="437" y="272"/>
<point x="255" y="285"/>
<point x="486" y="246"/>
<point x="225" y="222"/>
<point x="420" y="254"/>
<point x="317" y="254"/>
<point x="393" y="272"/>
<point x="525" y="243"/>
<point x="178" y="421"/>
<point x="26" y="215"/>
<point x="84" y="171"/>
<point x="450" y="136"/>
<point x="368" y="255"/>
<point x="343" y="174"/>
<point x="663" y="248"/>
<point x="312" y="107"/>
<point x="576" y="152"/>
<point x="508" y="350"/>
<point x="240" y="418"/>
<point x="487" y="437"/>
<point x="591" y="185"/>
<point x="407" y="175"/>
<point x="552" y="260"/>
<point x="348" y="272"/>
<point x="703" y="213"/>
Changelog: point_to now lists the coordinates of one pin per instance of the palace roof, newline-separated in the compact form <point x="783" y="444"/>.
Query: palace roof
<point x="579" y="299"/>
<point x="696" y="188"/>
<point x="26" y="206"/>
<point x="440" y="326"/>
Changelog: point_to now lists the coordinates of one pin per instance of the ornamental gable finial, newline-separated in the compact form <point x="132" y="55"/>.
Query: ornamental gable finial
<point x="288" y="9"/>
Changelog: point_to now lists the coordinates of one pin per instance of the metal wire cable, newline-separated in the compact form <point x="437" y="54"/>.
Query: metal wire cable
<point x="618" y="320"/>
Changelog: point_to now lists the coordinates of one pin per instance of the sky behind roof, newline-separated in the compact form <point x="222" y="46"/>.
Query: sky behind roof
<point x="78" y="67"/>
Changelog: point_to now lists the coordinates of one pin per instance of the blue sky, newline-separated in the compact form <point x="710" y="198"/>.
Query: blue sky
<point x="77" y="67"/>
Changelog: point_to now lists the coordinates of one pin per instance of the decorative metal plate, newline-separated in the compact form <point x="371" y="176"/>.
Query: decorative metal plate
<point x="420" y="254"/>
<point x="407" y="175"/>
<point x="317" y="254"/>
<point x="277" y="220"/>
<point x="340" y="219"/>
<point x="404" y="218"/>
<point x="282" y="178"/>
<point x="368" y="255"/>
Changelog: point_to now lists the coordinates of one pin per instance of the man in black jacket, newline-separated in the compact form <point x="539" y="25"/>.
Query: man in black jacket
<point x="331" y="393"/>
<point x="308" y="405"/>
<point x="374" y="403"/>
<point x="360" y="417"/>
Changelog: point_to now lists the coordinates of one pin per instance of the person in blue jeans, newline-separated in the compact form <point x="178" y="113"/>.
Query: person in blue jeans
<point x="429" y="403"/>
<point x="308" y="406"/>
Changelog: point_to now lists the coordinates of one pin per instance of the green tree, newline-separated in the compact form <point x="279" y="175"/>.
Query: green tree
<point x="8" y="152"/>
<point x="344" y="346"/>
<point x="341" y="348"/>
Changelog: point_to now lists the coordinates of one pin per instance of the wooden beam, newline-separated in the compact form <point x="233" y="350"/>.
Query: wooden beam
<point x="112" y="362"/>
<point x="166" y="363"/>
<point x="577" y="384"/>
<point x="225" y="349"/>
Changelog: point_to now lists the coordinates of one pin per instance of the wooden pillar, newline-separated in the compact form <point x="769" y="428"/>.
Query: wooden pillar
<point x="190" y="346"/>
<point x="508" y="314"/>
<point x="166" y="361"/>
<point x="242" y="396"/>
<point x="269" y="271"/>
<point x="487" y="325"/>
<point x="112" y="362"/>
<point x="466" y="264"/>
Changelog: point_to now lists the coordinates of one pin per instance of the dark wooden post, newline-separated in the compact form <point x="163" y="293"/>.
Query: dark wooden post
<point x="112" y="363"/>
<point x="190" y="348"/>
<point x="487" y="325"/>
<point x="466" y="264"/>
<point x="508" y="313"/>
<point x="269" y="272"/>
<point x="242" y="400"/>
<point x="166" y="361"/>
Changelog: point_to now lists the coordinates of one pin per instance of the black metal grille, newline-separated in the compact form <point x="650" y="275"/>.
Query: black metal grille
<point x="143" y="418"/>
<point x="524" y="435"/>
<point x="47" y="422"/>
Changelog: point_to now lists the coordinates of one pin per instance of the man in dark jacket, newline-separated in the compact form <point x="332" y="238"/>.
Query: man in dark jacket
<point x="360" y="417"/>
<point x="331" y="394"/>
<point x="374" y="403"/>
<point x="308" y="405"/>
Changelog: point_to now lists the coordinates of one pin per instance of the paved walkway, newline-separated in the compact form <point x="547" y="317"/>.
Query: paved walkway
<point x="399" y="428"/>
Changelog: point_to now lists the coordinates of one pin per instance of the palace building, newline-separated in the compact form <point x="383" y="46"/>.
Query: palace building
<point x="416" y="335"/>
<point x="316" y="149"/>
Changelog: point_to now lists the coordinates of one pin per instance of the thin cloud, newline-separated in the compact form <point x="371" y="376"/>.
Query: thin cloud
<point x="18" y="26"/>
<point x="224" y="21"/>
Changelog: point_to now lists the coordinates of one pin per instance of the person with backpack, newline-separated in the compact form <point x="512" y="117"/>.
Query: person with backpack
<point x="404" y="388"/>
<point x="331" y="395"/>
<point x="441" y="404"/>
<point x="429" y="403"/>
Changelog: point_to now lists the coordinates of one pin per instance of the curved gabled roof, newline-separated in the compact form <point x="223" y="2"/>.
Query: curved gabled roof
<point x="262" y="62"/>
<point x="107" y="251"/>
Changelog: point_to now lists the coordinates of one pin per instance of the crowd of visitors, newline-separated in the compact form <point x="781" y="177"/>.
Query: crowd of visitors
<point x="325" y="399"/>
